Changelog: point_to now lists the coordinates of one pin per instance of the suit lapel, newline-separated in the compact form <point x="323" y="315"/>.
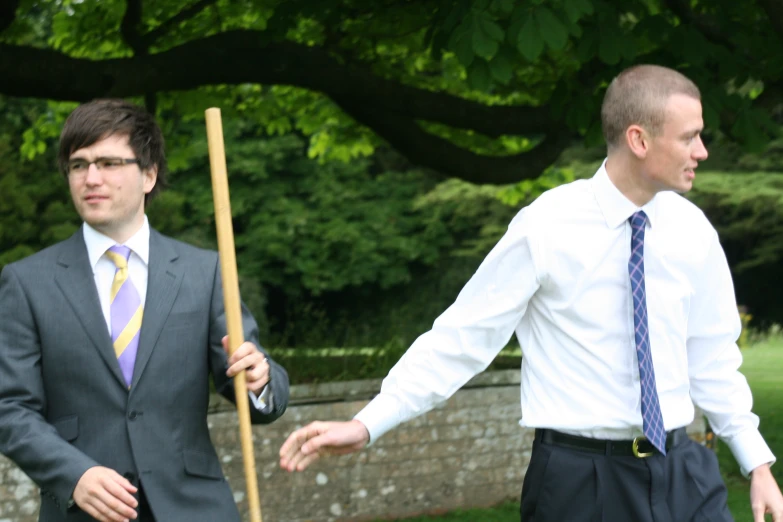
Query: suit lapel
<point x="76" y="281"/>
<point x="164" y="279"/>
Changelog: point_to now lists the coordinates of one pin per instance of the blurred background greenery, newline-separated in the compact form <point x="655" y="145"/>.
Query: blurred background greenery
<point x="378" y="149"/>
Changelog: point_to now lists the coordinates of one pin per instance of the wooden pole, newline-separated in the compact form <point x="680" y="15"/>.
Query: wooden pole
<point x="228" y="271"/>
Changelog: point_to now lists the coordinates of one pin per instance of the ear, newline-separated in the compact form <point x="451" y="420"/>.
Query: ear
<point x="637" y="140"/>
<point x="150" y="177"/>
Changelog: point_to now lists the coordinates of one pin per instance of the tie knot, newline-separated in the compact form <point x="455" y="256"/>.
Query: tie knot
<point x="638" y="220"/>
<point x="119" y="254"/>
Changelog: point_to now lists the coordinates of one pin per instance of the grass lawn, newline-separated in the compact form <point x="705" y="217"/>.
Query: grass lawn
<point x="763" y="367"/>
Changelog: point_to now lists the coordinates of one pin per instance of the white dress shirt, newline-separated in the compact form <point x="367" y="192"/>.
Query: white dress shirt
<point x="559" y="279"/>
<point x="103" y="270"/>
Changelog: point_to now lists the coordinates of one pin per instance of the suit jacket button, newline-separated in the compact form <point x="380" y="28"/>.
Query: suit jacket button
<point x="132" y="415"/>
<point x="130" y="477"/>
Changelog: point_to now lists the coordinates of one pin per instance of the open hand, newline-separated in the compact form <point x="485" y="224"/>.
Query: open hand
<point x="319" y="439"/>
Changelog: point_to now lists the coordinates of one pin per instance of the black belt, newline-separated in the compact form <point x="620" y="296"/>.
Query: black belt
<point x="639" y="447"/>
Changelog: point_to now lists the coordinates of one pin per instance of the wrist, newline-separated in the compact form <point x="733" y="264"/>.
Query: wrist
<point x="763" y="470"/>
<point x="365" y="433"/>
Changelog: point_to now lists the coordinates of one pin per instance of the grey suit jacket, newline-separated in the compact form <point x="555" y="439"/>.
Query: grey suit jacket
<point x="64" y="406"/>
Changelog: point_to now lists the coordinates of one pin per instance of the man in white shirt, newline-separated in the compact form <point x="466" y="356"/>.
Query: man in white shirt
<point x="622" y="301"/>
<point x="107" y="342"/>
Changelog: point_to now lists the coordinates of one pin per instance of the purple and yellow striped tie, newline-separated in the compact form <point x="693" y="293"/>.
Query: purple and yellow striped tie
<point x="126" y="313"/>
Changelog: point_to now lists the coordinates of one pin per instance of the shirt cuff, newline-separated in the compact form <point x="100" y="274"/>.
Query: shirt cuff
<point x="264" y="402"/>
<point x="750" y="450"/>
<point x="380" y="416"/>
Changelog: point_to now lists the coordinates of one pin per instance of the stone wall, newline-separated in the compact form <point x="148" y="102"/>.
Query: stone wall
<point x="469" y="452"/>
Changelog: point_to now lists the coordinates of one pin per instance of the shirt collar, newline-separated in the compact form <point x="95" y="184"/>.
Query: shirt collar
<point x="616" y="208"/>
<point x="97" y="243"/>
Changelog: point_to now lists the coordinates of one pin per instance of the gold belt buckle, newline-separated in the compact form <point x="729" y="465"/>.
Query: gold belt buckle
<point x="635" y="448"/>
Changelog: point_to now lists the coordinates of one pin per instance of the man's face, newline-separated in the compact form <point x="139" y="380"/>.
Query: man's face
<point x="110" y="196"/>
<point x="674" y="155"/>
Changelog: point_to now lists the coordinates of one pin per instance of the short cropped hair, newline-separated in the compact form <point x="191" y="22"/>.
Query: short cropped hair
<point x="638" y="96"/>
<point x="99" y="119"/>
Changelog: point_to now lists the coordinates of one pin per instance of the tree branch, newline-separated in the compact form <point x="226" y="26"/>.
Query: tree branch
<point x="433" y="152"/>
<point x="7" y="13"/>
<point x="129" y="27"/>
<point x="44" y="73"/>
<point x="389" y="108"/>
<point x="152" y="37"/>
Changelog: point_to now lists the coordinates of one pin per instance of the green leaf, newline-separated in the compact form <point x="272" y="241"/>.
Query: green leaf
<point x="491" y="28"/>
<point x="502" y="66"/>
<point x="609" y="48"/>
<point x="695" y="48"/>
<point x="629" y="49"/>
<point x="461" y="42"/>
<point x="748" y="130"/>
<point x="487" y="36"/>
<point x="503" y="6"/>
<point x="594" y="136"/>
<point x="518" y="19"/>
<point x="579" y="117"/>
<point x="573" y="10"/>
<point x="529" y="43"/>
<point x="656" y="28"/>
<point x="553" y="31"/>
<point x="710" y="115"/>
<point x="484" y="46"/>
<point x="479" y="76"/>
<point x="587" y="46"/>
<point x="586" y="6"/>
<point x="574" y="29"/>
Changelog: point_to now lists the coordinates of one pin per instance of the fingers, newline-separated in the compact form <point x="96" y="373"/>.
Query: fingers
<point x="243" y="350"/>
<point x="303" y="461"/>
<point x="765" y="495"/>
<point x="760" y="511"/>
<point x="120" y="491"/>
<point x="106" y="496"/>
<point x="319" y="439"/>
<point x="258" y="377"/>
<point x="247" y="356"/>
<point x="292" y="453"/>
<point x="111" y="508"/>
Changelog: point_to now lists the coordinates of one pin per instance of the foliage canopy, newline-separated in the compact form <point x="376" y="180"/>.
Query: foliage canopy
<point x="488" y="91"/>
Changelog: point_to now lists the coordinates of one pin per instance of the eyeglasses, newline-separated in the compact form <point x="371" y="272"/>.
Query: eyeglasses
<point x="81" y="166"/>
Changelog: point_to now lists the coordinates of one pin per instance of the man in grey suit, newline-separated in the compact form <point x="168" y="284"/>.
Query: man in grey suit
<point x="107" y="340"/>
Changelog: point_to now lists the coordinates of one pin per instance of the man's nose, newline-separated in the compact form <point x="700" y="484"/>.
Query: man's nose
<point x="93" y="176"/>
<point x="700" y="152"/>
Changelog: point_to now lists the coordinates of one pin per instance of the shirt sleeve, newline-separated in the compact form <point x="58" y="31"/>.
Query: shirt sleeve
<point x="465" y="339"/>
<point x="714" y="358"/>
<point x="264" y="403"/>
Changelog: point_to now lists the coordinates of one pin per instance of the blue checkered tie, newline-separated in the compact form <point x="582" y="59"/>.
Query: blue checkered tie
<point x="651" y="408"/>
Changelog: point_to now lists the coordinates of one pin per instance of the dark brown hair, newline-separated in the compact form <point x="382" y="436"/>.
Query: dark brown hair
<point x="99" y="119"/>
<point x="638" y="96"/>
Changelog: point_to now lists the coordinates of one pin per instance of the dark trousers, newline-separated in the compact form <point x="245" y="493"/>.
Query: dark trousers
<point x="574" y="485"/>
<point x="143" y="510"/>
